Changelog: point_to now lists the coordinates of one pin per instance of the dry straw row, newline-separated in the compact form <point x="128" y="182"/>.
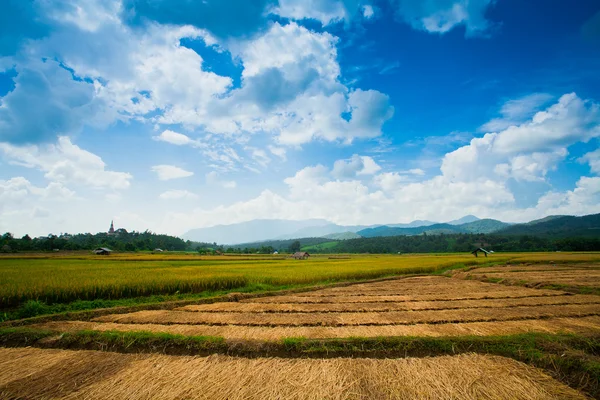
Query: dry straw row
<point x="582" y="325"/>
<point x="166" y="317"/>
<point x="95" y="375"/>
<point x="386" y="307"/>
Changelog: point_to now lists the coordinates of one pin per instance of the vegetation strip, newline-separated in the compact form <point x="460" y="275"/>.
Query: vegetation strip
<point x="573" y="359"/>
<point x="87" y="315"/>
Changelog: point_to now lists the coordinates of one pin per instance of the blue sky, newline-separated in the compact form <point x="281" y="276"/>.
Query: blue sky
<point x="173" y="115"/>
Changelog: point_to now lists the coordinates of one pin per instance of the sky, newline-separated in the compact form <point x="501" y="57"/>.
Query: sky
<point x="181" y="114"/>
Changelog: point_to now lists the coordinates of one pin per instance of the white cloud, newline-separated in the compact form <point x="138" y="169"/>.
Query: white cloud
<point x="278" y="151"/>
<point x="291" y="89"/>
<point x="213" y="178"/>
<point x="416" y="171"/>
<point x="168" y="172"/>
<point x="325" y="11"/>
<point x="441" y="16"/>
<point x="593" y="159"/>
<point x="368" y="11"/>
<point x="356" y="165"/>
<point x="87" y="15"/>
<point x="176" y="138"/>
<point x="177" y="195"/>
<point x="529" y="150"/>
<point x="517" y="111"/>
<point x="67" y="163"/>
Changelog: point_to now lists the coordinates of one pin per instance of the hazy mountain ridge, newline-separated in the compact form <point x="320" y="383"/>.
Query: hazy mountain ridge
<point x="342" y="236"/>
<point x="476" y="226"/>
<point x="557" y="227"/>
<point x="257" y="231"/>
<point x="260" y="230"/>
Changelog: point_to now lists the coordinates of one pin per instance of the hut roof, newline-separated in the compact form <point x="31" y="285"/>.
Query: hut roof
<point x="300" y="254"/>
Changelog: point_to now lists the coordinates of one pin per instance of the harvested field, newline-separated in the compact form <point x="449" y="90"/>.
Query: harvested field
<point x="577" y="276"/>
<point x="451" y="307"/>
<point x="351" y="318"/>
<point x="41" y="374"/>
<point x="381" y="307"/>
<point x="584" y="325"/>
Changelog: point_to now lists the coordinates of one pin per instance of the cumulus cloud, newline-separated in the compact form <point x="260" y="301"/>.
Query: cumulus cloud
<point x="529" y="150"/>
<point x="441" y="16"/>
<point x="356" y="165"/>
<point x="325" y="11"/>
<point x="46" y="101"/>
<point x="176" y="138"/>
<point x="593" y="159"/>
<point x="177" y="195"/>
<point x="168" y="172"/>
<point x="517" y="111"/>
<point x="67" y="163"/>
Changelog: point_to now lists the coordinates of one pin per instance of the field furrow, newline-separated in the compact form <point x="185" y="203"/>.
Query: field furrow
<point x="386" y="307"/>
<point x="98" y="375"/>
<point x="583" y="325"/>
<point x="458" y="295"/>
<point x="353" y="318"/>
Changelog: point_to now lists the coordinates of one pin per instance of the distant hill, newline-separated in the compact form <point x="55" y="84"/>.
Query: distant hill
<point x="413" y="224"/>
<point x="321" y="231"/>
<point x="391" y="231"/>
<point x="545" y="219"/>
<point x="477" y="226"/>
<point x="484" y="226"/>
<point x="251" y="231"/>
<point x="279" y="229"/>
<point x="342" y="236"/>
<point x="464" y="220"/>
<point x="281" y="245"/>
<point x="558" y="227"/>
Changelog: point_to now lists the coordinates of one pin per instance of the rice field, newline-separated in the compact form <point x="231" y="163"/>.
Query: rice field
<point x="42" y="374"/>
<point x="54" y="278"/>
<point x="438" y="306"/>
<point x="412" y="306"/>
<point x="571" y="275"/>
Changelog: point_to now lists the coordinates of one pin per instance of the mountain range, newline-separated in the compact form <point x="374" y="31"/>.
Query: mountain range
<point x="277" y="229"/>
<point x="256" y="231"/>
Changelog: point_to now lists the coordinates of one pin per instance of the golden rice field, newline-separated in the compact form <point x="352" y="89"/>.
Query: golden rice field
<point x="412" y="306"/>
<point x="44" y="374"/>
<point x="56" y="278"/>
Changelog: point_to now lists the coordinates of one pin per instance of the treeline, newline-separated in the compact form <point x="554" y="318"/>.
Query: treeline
<point x="458" y="243"/>
<point x="120" y="241"/>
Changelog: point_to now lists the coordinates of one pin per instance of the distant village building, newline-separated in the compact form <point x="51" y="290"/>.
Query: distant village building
<point x="300" y="255"/>
<point x="158" y="250"/>
<point x="102" y="251"/>
<point x="479" y="249"/>
<point x="111" y="230"/>
<point x="275" y="252"/>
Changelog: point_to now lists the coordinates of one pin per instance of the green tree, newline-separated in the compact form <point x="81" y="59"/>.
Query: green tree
<point x="294" y="247"/>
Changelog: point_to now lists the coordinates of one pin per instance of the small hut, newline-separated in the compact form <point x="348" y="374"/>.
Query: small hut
<point x="300" y="255"/>
<point x="158" y="250"/>
<point x="482" y="250"/>
<point x="102" y="251"/>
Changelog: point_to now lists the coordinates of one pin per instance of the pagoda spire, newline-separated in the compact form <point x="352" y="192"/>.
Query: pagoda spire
<point x="111" y="230"/>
